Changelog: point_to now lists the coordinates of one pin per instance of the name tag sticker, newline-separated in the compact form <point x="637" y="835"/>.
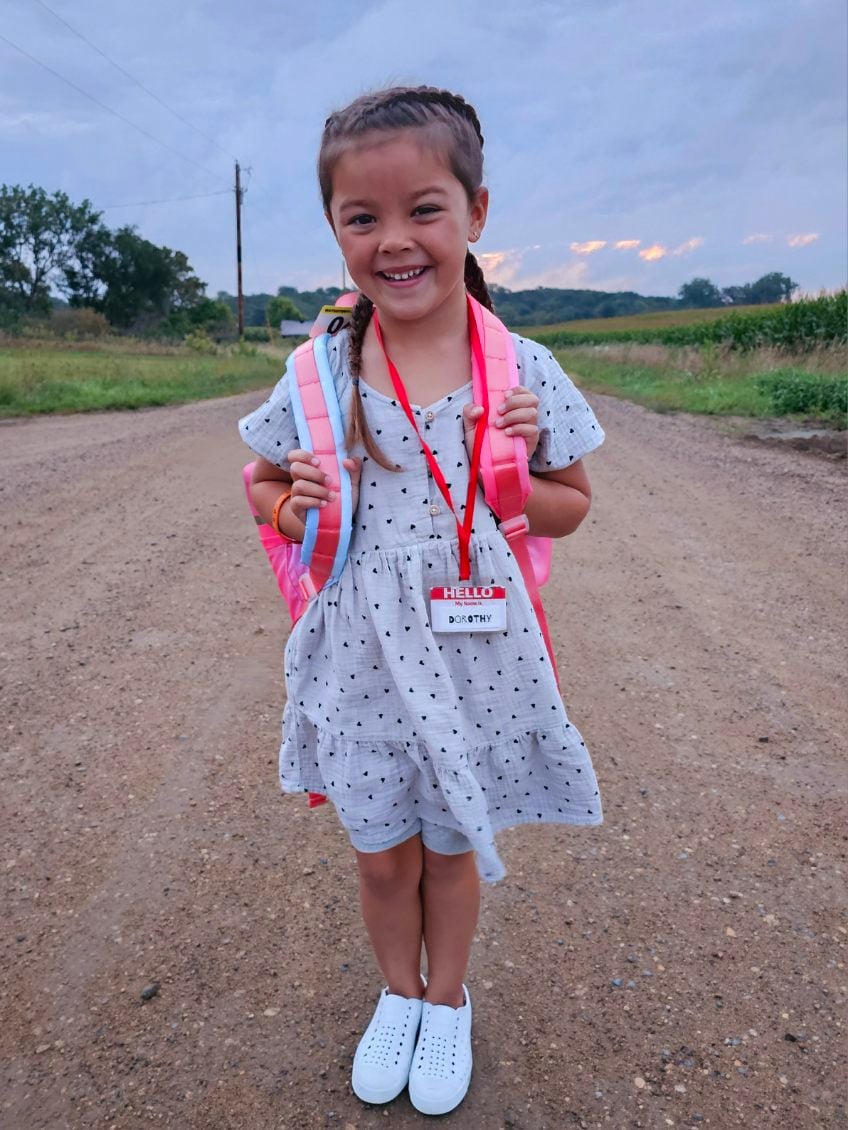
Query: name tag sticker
<point x="468" y="608"/>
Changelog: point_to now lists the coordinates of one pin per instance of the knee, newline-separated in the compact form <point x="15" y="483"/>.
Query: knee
<point x="439" y="866"/>
<point x="392" y="870"/>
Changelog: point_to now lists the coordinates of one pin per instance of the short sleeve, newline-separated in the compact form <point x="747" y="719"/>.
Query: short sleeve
<point x="270" y="431"/>
<point x="568" y="428"/>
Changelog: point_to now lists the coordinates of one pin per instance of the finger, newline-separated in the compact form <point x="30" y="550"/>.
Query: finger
<point x="527" y="430"/>
<point x="305" y="489"/>
<point x="518" y="398"/>
<point x="300" y="506"/>
<point x="518" y="416"/>
<point x="471" y="414"/>
<point x="301" y="455"/>
<point x="307" y="473"/>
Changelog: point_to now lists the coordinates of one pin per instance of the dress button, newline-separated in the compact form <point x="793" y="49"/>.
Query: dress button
<point x="434" y="510"/>
<point x="428" y="416"/>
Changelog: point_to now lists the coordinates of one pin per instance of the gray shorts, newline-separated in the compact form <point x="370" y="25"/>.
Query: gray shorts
<point x="445" y="841"/>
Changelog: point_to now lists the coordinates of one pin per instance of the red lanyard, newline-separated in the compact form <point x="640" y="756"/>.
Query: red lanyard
<point x="463" y="528"/>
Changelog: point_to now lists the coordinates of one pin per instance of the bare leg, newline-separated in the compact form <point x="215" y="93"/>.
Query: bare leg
<point x="450" y="888"/>
<point x="389" y="893"/>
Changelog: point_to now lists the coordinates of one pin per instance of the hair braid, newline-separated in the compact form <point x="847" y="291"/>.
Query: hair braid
<point x="475" y="284"/>
<point x="357" y="426"/>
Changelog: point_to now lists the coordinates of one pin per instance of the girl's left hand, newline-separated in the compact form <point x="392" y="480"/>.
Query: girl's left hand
<point x="517" y="416"/>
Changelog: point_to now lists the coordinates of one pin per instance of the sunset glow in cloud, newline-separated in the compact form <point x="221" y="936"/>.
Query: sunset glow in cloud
<point x="627" y="244"/>
<point x="689" y="245"/>
<point x="589" y="246"/>
<point x="655" y="251"/>
<point x="501" y="267"/>
<point x="758" y="237"/>
<point x="802" y="240"/>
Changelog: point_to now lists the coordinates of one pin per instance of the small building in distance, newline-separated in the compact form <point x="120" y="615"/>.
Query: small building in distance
<point x="294" y="329"/>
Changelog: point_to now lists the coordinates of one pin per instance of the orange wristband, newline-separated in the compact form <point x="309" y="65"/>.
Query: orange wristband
<point x="275" y="513"/>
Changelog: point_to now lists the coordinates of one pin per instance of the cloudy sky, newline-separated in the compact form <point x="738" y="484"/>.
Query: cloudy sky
<point x="629" y="145"/>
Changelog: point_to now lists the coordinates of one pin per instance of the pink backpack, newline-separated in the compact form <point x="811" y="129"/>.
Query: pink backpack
<point x="303" y="570"/>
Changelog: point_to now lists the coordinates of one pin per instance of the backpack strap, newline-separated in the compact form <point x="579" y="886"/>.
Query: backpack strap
<point x="505" y="466"/>
<point x="320" y="429"/>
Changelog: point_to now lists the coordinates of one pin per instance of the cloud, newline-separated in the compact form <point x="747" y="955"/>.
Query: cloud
<point x="47" y="125"/>
<point x="802" y="240"/>
<point x="758" y="237"/>
<point x="655" y="251"/>
<point x="689" y="245"/>
<point x="627" y="244"/>
<point x="501" y="267"/>
<point x="569" y="276"/>
<point x="589" y="247"/>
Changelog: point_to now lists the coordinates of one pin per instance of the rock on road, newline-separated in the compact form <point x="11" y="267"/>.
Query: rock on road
<point x="683" y="964"/>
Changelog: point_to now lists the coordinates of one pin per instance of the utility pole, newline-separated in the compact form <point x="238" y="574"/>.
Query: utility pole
<point x="238" y="254"/>
<point x="344" y="275"/>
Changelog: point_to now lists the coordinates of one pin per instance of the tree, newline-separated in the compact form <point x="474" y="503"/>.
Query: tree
<point x="144" y="283"/>
<point x="737" y="295"/>
<point x="39" y="237"/>
<point x="773" y="287"/>
<point x="699" y="293"/>
<point x="281" y="308"/>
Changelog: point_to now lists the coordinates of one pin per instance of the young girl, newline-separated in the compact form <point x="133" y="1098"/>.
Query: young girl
<point x="427" y="743"/>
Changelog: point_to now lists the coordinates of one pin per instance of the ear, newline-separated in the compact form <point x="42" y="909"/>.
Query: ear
<point x="329" y="220"/>
<point x="477" y="213"/>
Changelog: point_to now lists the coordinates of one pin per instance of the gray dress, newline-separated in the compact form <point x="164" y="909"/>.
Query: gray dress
<point x="389" y="720"/>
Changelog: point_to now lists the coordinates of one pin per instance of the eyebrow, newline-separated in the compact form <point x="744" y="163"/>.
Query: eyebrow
<point x="430" y="191"/>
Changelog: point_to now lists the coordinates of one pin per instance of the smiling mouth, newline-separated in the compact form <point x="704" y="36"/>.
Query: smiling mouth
<point x="402" y="276"/>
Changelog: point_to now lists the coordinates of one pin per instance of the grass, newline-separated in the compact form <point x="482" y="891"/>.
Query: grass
<point x="657" y="319"/>
<point x="49" y="378"/>
<point x="716" y="381"/>
<point x="714" y="378"/>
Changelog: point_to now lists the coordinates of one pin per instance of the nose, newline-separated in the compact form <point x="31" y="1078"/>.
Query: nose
<point x="395" y="238"/>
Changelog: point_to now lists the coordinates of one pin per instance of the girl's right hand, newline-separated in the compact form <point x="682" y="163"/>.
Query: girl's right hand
<point x="312" y="487"/>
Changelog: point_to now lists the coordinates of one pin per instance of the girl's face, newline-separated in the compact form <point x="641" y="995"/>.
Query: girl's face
<point x="403" y="222"/>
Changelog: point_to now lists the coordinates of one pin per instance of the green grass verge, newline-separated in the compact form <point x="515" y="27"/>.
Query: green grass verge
<point x="45" y="380"/>
<point x="669" y="388"/>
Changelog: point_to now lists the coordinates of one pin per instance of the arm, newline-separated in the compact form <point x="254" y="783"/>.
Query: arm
<point x="308" y="484"/>
<point x="266" y="486"/>
<point x="559" y="501"/>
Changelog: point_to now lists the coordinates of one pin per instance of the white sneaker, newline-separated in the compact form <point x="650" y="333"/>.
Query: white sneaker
<point x="382" y="1058"/>
<point x="441" y="1066"/>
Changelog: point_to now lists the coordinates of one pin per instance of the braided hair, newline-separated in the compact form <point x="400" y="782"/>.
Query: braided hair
<point x="396" y="108"/>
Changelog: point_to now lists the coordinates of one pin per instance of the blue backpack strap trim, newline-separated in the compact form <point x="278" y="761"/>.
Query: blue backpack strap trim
<point x="319" y="347"/>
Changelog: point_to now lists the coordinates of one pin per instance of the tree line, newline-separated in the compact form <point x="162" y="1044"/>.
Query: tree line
<point x="50" y="245"/>
<point x="542" y="306"/>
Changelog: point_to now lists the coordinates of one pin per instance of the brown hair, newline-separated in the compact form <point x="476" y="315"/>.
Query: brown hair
<point x="450" y="117"/>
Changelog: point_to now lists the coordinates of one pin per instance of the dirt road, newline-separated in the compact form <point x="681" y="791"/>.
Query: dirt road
<point x="681" y="965"/>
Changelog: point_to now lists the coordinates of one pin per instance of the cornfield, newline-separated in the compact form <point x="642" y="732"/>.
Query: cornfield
<point x="795" y="326"/>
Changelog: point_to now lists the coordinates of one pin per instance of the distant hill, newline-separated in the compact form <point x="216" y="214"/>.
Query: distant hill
<point x="548" y="305"/>
<point x="541" y="307"/>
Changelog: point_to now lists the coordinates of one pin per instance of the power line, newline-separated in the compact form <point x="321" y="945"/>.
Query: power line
<point x="132" y="78"/>
<point x="109" y="109"/>
<point x="170" y="200"/>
